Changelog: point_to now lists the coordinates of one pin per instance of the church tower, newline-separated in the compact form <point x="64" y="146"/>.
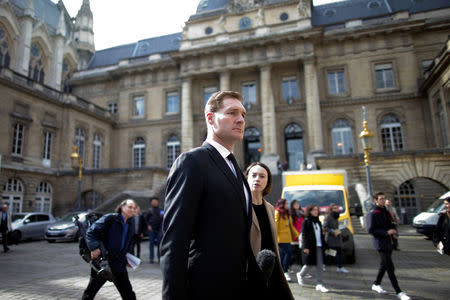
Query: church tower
<point x="84" y="34"/>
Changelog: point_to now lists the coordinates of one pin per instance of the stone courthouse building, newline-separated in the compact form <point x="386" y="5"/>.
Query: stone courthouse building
<point x="305" y="73"/>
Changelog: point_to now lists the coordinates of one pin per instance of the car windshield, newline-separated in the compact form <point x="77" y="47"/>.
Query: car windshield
<point x="17" y="218"/>
<point x="66" y="218"/>
<point x="435" y="206"/>
<point x="320" y="198"/>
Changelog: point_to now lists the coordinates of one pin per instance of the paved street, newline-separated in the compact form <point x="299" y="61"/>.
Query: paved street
<point x="38" y="270"/>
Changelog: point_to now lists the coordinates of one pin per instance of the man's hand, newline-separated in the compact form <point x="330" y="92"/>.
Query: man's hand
<point x="306" y="251"/>
<point x="95" y="253"/>
<point x="392" y="231"/>
<point x="150" y="228"/>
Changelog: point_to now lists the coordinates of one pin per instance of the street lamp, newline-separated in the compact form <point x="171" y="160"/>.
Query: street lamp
<point x="366" y="137"/>
<point x="77" y="163"/>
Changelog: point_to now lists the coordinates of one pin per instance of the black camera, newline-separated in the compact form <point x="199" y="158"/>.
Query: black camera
<point x="101" y="266"/>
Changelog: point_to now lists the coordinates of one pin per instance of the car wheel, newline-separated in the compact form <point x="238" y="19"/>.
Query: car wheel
<point x="51" y="241"/>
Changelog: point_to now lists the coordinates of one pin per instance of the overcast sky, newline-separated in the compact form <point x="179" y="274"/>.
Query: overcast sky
<point x="118" y="22"/>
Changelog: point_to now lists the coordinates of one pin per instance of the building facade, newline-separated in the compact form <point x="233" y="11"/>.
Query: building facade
<point x="305" y="72"/>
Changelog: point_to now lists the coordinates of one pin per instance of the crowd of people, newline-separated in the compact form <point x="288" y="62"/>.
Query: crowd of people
<point x="220" y="238"/>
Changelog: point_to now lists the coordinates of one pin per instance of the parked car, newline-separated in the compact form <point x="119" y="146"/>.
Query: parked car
<point x="65" y="229"/>
<point x="30" y="225"/>
<point x="426" y="222"/>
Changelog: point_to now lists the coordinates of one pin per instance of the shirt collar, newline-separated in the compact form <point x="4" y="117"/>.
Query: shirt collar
<point x="222" y="150"/>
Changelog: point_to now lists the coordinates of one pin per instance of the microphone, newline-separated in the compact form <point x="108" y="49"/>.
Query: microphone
<point x="266" y="262"/>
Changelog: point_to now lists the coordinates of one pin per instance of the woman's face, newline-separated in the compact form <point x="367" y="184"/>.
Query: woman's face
<point x="315" y="211"/>
<point x="286" y="205"/>
<point x="296" y="206"/>
<point x="336" y="208"/>
<point x="447" y="206"/>
<point x="257" y="178"/>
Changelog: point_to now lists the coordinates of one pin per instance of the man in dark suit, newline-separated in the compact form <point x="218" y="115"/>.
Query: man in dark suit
<point x="138" y="233"/>
<point x="5" y="226"/>
<point x="205" y="249"/>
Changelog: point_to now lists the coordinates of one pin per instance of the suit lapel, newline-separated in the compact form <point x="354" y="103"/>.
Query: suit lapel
<point x="225" y="169"/>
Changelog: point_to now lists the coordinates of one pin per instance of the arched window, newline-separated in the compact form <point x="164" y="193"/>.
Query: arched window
<point x="342" y="137"/>
<point x="5" y="58"/>
<point x="36" y="67"/>
<point x="139" y="153"/>
<point x="67" y="71"/>
<point x="80" y="142"/>
<point x="13" y="195"/>
<point x="252" y="145"/>
<point x="173" y="150"/>
<point x="391" y="133"/>
<point x="43" y="200"/>
<point x="405" y="201"/>
<point x="293" y="137"/>
<point x="97" y="157"/>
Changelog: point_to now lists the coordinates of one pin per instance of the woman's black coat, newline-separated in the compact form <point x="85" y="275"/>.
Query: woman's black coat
<point x="442" y="232"/>
<point x="309" y="241"/>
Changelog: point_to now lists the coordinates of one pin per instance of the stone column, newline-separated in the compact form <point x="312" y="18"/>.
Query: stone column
<point x="225" y="81"/>
<point x="443" y="96"/>
<point x="187" y="119"/>
<point x="270" y="156"/>
<point x="57" y="62"/>
<point x="314" y="118"/>
<point x="22" y="59"/>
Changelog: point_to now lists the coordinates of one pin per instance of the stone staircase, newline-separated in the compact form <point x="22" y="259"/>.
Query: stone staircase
<point x="357" y="225"/>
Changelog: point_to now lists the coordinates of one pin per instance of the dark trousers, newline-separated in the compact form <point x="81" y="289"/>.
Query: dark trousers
<point x="136" y="241"/>
<point x="285" y="255"/>
<point x="155" y="239"/>
<point x="387" y="265"/>
<point x="338" y="256"/>
<point x="121" y="282"/>
<point x="4" y="239"/>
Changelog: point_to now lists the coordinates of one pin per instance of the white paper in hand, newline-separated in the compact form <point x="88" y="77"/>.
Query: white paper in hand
<point x="440" y="248"/>
<point x="133" y="261"/>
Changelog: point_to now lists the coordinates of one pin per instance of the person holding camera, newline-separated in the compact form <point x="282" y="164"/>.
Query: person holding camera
<point x="109" y="239"/>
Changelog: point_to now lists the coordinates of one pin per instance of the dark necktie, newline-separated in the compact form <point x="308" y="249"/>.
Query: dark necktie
<point x="238" y="175"/>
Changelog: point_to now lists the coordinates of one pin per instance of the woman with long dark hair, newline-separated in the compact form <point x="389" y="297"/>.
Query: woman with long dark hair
<point x="312" y="242"/>
<point x="286" y="234"/>
<point x="333" y="235"/>
<point x="263" y="234"/>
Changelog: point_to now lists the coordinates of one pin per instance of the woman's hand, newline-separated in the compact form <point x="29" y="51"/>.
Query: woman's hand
<point x="95" y="253"/>
<point x="306" y="251"/>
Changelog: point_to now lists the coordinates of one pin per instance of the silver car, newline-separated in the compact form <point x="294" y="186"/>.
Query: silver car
<point x="30" y="225"/>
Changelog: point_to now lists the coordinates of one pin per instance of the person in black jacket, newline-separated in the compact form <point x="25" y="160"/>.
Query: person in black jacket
<point x="312" y="244"/>
<point x="154" y="224"/>
<point x="442" y="231"/>
<point x="139" y="229"/>
<point x="380" y="225"/>
<point x="112" y="232"/>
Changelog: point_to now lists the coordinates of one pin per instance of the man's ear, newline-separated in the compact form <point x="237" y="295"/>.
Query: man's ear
<point x="209" y="118"/>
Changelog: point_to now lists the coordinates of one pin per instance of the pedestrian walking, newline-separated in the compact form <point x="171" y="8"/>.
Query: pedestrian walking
<point x="441" y="236"/>
<point x="297" y="219"/>
<point x="396" y="221"/>
<point x="205" y="249"/>
<point x="333" y="236"/>
<point x="138" y="233"/>
<point x="312" y="245"/>
<point x="286" y="234"/>
<point x="380" y="225"/>
<point x="112" y="234"/>
<point x="263" y="233"/>
<point x="154" y="225"/>
<point x="5" y="226"/>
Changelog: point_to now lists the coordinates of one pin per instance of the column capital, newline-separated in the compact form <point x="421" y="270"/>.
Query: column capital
<point x="265" y="67"/>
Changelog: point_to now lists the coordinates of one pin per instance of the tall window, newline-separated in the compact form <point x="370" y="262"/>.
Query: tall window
<point x="249" y="94"/>
<point x="139" y="106"/>
<point x="5" y="58"/>
<point x="405" y="202"/>
<point x="442" y="123"/>
<point x="36" y="67"/>
<point x="293" y="136"/>
<point x="336" y="82"/>
<point x="290" y="89"/>
<point x="97" y="157"/>
<point x="173" y="150"/>
<point x="342" y="137"/>
<point x="252" y="145"/>
<point x="172" y="102"/>
<point x="13" y="195"/>
<point x="65" y="76"/>
<point x="47" y="153"/>
<point x="18" y="139"/>
<point x="391" y="133"/>
<point x="207" y="93"/>
<point x="112" y="108"/>
<point x="384" y="76"/>
<point x="139" y="153"/>
<point x="80" y="141"/>
<point x="43" y="200"/>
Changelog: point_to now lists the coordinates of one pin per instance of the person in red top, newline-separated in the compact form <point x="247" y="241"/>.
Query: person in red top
<point x="297" y="216"/>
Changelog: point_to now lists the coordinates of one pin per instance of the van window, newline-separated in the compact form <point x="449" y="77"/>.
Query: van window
<point x="435" y="205"/>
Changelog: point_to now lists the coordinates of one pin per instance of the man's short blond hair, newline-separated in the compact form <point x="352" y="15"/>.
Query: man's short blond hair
<point x="215" y="101"/>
